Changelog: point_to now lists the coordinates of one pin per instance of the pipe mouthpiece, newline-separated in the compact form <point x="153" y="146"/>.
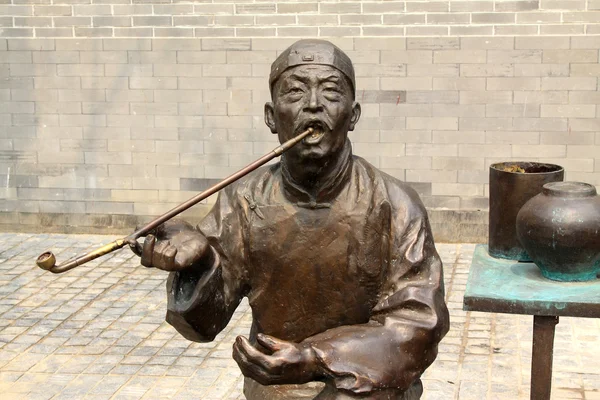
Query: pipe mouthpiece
<point x="46" y="261"/>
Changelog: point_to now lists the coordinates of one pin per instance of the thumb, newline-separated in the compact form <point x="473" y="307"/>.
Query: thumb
<point x="271" y="343"/>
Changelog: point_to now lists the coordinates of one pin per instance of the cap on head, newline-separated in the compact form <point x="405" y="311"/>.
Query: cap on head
<point x="312" y="51"/>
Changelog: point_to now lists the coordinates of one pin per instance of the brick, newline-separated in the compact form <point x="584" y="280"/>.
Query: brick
<point x="432" y="97"/>
<point x="569" y="138"/>
<point x="512" y="110"/>
<point x="176" y="44"/>
<point x="562" y="4"/>
<point x="127" y="70"/>
<point x="487" y="43"/>
<point x="79" y="45"/>
<point x="432" y="43"/>
<point x="103" y="82"/>
<point x="427" y="31"/>
<point x="152" y="20"/>
<point x="106" y="133"/>
<point x="152" y="83"/>
<point x="471" y="6"/>
<point x="540" y="124"/>
<point x="106" y="207"/>
<point x="31" y="44"/>
<point x="538" y="17"/>
<point x="211" y="9"/>
<point x="32" y="70"/>
<point x="356" y="19"/>
<point x="484" y="150"/>
<point x="571" y="83"/>
<point x="541" y="70"/>
<point x="193" y="20"/>
<point x="80" y="70"/>
<point x="297" y="31"/>
<point x="525" y="83"/>
<point x="33" y="21"/>
<point x="58" y="108"/>
<point x="95" y="10"/>
<point x="134" y="146"/>
<point x="57" y="82"/>
<point x="488" y="70"/>
<point x="456" y="110"/>
<point x="485" y="97"/>
<point x="55" y="57"/>
<point x="99" y="108"/>
<point x="16" y="32"/>
<point x="540" y="150"/>
<point x="517" y="5"/>
<point x="234" y="20"/>
<point x="457" y="137"/>
<point x="562" y="29"/>
<point x="53" y="32"/>
<point x="570" y="111"/>
<point x="414" y="83"/>
<point x="93" y="32"/>
<point x="583" y="16"/>
<point x="16" y="83"/>
<point x="255" y="32"/>
<point x="471" y="30"/>
<point x="485" y="124"/>
<point x="176" y="96"/>
<point x="143" y="9"/>
<point x="454" y="83"/>
<point x="164" y="121"/>
<point x="226" y="44"/>
<point x="407" y="56"/>
<point x="493" y="18"/>
<point x="16" y="57"/>
<point x="173" y="9"/>
<point x="82" y="145"/>
<point x="440" y="123"/>
<point x="17" y="107"/>
<point x="297" y="8"/>
<point x="516" y="30"/>
<point x="460" y="56"/>
<point x="514" y="56"/>
<point x="80" y="95"/>
<point x="535" y="43"/>
<point x="448" y="19"/>
<point x="515" y="137"/>
<point x="152" y="57"/>
<point x="584" y="125"/>
<point x="260" y="8"/>
<point x="402" y="19"/>
<point x="130" y="120"/>
<point x="14" y="10"/>
<point x="67" y="22"/>
<point x="543" y="97"/>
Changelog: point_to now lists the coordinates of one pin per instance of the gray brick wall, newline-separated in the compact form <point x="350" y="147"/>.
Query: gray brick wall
<point x="110" y="110"/>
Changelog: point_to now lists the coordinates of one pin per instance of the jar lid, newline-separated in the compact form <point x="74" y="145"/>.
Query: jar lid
<point x="569" y="189"/>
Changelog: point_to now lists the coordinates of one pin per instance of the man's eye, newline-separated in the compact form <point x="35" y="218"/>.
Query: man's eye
<point x="295" y="91"/>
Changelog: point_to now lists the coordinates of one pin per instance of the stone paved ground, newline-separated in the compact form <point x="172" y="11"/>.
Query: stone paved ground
<point x="98" y="332"/>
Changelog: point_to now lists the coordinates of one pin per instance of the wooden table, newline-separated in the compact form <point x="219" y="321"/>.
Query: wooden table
<point x="505" y="286"/>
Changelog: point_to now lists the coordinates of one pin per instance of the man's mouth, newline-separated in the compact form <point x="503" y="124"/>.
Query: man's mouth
<point x="317" y="135"/>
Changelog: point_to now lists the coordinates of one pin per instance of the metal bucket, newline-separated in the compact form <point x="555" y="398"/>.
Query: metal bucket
<point x="512" y="184"/>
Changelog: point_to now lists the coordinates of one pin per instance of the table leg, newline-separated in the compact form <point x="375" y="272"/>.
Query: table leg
<point x="541" y="356"/>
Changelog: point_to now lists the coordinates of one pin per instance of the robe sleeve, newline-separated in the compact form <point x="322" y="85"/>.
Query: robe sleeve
<point x="400" y="340"/>
<point x="202" y="299"/>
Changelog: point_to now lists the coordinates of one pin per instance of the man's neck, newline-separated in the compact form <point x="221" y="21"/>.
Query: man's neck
<point x="318" y="176"/>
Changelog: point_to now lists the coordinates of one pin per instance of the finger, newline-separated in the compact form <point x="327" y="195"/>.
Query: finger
<point x="148" y="251"/>
<point x="271" y="343"/>
<point x="249" y="369"/>
<point x="135" y="246"/>
<point x="255" y="356"/>
<point x="161" y="255"/>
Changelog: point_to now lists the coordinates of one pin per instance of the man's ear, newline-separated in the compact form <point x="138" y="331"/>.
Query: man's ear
<point x="355" y="115"/>
<point x="270" y="116"/>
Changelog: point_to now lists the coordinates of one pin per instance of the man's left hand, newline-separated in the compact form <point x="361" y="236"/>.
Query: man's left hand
<point x="283" y="363"/>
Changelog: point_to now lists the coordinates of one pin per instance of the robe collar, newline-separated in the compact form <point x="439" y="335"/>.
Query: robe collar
<point x="329" y="188"/>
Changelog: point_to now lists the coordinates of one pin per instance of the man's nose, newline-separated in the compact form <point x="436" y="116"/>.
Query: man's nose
<point x="314" y="104"/>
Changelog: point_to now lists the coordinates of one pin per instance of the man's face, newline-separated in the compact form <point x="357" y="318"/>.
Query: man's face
<point x="317" y="96"/>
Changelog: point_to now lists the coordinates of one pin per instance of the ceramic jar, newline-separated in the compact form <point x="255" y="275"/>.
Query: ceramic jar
<point x="512" y="184"/>
<point x="560" y="230"/>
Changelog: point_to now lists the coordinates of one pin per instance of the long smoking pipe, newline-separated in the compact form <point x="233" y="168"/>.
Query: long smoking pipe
<point x="47" y="260"/>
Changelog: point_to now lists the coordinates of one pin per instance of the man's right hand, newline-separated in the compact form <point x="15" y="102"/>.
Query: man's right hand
<point x="174" y="246"/>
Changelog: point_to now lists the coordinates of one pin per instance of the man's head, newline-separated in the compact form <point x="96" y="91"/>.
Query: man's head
<point x="312" y="85"/>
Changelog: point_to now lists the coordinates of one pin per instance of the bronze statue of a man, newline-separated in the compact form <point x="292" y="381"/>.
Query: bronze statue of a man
<point x="336" y="257"/>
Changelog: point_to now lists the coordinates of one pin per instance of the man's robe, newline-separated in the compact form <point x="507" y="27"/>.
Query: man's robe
<point x="352" y="271"/>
